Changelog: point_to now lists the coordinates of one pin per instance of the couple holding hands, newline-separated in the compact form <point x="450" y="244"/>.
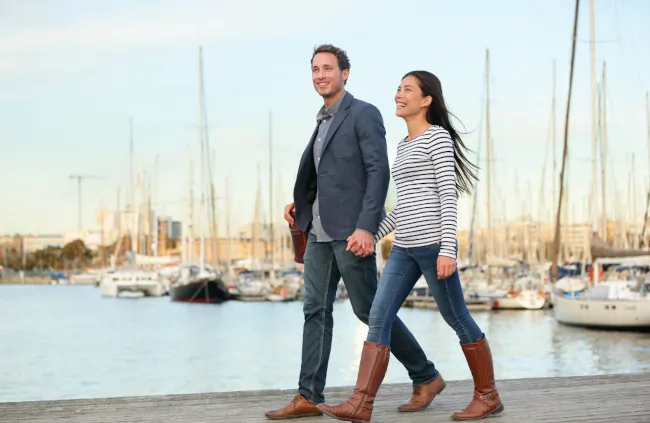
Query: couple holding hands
<point x="338" y="216"/>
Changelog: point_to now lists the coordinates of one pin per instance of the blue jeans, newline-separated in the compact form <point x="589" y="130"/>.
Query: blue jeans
<point x="325" y="264"/>
<point x="402" y="270"/>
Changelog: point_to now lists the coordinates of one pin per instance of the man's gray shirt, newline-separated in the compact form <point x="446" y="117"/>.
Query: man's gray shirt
<point x="324" y="118"/>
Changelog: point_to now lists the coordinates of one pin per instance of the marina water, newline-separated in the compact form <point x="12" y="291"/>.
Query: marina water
<point x="66" y="341"/>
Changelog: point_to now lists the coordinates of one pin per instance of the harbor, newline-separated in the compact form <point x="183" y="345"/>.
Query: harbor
<point x="532" y="255"/>
<point x="608" y="398"/>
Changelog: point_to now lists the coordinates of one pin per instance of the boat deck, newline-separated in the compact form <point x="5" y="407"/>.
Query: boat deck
<point x="612" y="398"/>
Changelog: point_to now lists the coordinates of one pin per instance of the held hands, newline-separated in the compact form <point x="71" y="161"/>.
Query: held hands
<point x="361" y="243"/>
<point x="446" y="267"/>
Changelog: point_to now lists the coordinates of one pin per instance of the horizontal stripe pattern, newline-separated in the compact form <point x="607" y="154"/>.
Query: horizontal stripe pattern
<point x="426" y="212"/>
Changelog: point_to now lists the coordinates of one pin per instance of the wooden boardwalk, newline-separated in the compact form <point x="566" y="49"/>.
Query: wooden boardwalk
<point x="614" y="398"/>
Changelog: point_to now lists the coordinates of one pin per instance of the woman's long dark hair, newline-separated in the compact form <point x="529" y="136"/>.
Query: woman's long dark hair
<point x="437" y="114"/>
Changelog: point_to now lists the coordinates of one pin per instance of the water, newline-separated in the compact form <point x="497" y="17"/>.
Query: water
<point x="61" y="342"/>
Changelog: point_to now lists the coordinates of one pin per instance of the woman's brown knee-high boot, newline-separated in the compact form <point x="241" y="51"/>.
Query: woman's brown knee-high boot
<point x="372" y="369"/>
<point x="486" y="399"/>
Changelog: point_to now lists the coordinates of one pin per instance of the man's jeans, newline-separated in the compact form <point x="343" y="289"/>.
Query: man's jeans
<point x="325" y="264"/>
<point x="402" y="270"/>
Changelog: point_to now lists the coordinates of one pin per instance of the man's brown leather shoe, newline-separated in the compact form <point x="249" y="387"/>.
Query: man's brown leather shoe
<point x="298" y="407"/>
<point x="423" y="395"/>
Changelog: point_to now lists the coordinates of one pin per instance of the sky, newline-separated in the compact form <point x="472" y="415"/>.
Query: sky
<point x="74" y="72"/>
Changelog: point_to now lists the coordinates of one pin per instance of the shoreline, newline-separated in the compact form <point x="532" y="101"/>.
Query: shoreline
<point x="32" y="280"/>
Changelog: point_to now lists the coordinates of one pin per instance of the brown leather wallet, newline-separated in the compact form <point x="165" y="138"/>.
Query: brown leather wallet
<point x="299" y="239"/>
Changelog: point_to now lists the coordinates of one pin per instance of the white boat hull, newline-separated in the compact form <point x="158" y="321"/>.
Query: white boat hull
<point x="527" y="300"/>
<point x="148" y="289"/>
<point x="278" y="298"/>
<point x="632" y="313"/>
<point x="84" y="279"/>
<point x="251" y="297"/>
<point x="143" y="283"/>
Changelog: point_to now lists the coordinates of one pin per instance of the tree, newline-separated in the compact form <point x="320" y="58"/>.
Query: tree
<point x="77" y="252"/>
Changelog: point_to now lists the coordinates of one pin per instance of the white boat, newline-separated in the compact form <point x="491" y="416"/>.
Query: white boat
<point x="251" y="289"/>
<point x="489" y="292"/>
<point x="524" y="300"/>
<point x="127" y="282"/>
<point x="87" y="277"/>
<point x="282" y="297"/>
<point x="526" y="293"/>
<point x="287" y="290"/>
<point x="568" y="285"/>
<point x="613" y="304"/>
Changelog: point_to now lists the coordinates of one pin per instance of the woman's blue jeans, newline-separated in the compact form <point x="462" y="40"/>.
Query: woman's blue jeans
<point x="402" y="270"/>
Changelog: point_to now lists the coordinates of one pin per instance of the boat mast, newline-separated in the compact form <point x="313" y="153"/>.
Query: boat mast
<point x="189" y="245"/>
<point x="131" y="206"/>
<point x="472" y="226"/>
<point x="202" y="167"/>
<point x="280" y="235"/>
<point x="255" y="236"/>
<point x="271" y="211"/>
<point x="488" y="164"/>
<point x="207" y="180"/>
<point x="554" y="136"/>
<point x="213" y="222"/>
<point x="594" y="120"/>
<point x="636" y="239"/>
<point x="556" y="240"/>
<point x="603" y="153"/>
<point x="647" y="205"/>
<point x="228" y="235"/>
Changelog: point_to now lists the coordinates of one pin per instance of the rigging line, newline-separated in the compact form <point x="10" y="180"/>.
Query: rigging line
<point x="548" y="145"/>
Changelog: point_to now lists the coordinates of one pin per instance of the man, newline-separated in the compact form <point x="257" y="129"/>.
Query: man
<point x="339" y="197"/>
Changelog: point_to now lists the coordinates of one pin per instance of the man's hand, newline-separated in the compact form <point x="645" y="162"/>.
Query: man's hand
<point x="361" y="243"/>
<point x="289" y="212"/>
<point x="446" y="267"/>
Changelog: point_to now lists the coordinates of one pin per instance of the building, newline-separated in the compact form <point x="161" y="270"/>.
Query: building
<point x="31" y="243"/>
<point x="175" y="230"/>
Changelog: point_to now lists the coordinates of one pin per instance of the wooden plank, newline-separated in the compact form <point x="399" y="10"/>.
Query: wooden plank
<point x="608" y="398"/>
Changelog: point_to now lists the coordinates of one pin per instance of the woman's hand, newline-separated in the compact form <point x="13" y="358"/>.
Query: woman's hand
<point x="446" y="267"/>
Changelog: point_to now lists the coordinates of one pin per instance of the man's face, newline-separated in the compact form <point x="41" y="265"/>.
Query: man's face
<point x="327" y="77"/>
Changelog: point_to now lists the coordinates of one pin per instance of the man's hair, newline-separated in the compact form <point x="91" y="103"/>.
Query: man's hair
<point x="341" y="55"/>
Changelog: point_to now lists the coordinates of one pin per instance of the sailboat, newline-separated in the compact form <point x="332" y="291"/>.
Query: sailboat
<point x="621" y="302"/>
<point x="131" y="280"/>
<point x="200" y="283"/>
<point x="616" y="302"/>
<point x="252" y="284"/>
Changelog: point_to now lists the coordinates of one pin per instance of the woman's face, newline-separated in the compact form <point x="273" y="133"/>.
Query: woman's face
<point x="409" y="100"/>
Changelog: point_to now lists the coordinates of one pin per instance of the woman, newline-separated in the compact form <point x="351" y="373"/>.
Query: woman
<point x="429" y="171"/>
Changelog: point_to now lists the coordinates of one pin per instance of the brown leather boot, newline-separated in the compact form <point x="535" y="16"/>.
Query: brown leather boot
<point x="298" y="407"/>
<point x="486" y="399"/>
<point x="423" y="395"/>
<point x="372" y="369"/>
